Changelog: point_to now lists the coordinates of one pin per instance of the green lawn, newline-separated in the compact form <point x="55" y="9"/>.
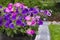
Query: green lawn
<point x="54" y="31"/>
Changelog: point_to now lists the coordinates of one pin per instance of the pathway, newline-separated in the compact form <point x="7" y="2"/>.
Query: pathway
<point x="43" y="32"/>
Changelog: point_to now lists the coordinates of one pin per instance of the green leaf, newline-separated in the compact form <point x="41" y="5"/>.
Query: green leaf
<point x="15" y="31"/>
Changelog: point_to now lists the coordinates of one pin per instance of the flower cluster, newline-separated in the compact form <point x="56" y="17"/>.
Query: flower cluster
<point x="19" y="15"/>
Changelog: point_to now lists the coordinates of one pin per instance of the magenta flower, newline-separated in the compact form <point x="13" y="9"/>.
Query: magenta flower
<point x="10" y="5"/>
<point x="8" y="10"/>
<point x="30" y="32"/>
<point x="33" y="23"/>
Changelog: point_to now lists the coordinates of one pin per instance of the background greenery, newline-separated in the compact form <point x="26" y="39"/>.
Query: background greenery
<point x="42" y="4"/>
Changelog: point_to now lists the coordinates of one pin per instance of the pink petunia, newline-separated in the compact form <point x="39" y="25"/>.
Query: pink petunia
<point x="48" y="13"/>
<point x="10" y="5"/>
<point x="28" y="23"/>
<point x="30" y="32"/>
<point x="37" y="17"/>
<point x="27" y="18"/>
<point x="33" y="23"/>
<point x="17" y="4"/>
<point x="8" y="10"/>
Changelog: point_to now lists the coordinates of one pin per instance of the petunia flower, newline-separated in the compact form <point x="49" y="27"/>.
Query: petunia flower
<point x="17" y="4"/>
<point x="42" y="11"/>
<point x="18" y="22"/>
<point x="28" y="17"/>
<point x="1" y="20"/>
<point x="23" y="24"/>
<point x="33" y="10"/>
<point x="11" y="26"/>
<point x="24" y="11"/>
<point x="33" y="23"/>
<point x="13" y="17"/>
<point x="47" y="12"/>
<point x="20" y="17"/>
<point x="7" y="23"/>
<point x="10" y="6"/>
<point x="40" y="22"/>
<point x="28" y="23"/>
<point x="6" y="16"/>
<point x="0" y="6"/>
<point x="30" y="32"/>
<point x="8" y="10"/>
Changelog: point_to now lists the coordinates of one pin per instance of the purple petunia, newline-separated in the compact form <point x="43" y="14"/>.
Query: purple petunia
<point x="6" y="16"/>
<point x="25" y="11"/>
<point x="20" y="17"/>
<point x="40" y="22"/>
<point x="18" y="22"/>
<point x="7" y="23"/>
<point x="13" y="17"/>
<point x="23" y="24"/>
<point x="0" y="6"/>
<point x="46" y="12"/>
<point x="33" y="10"/>
<point x="11" y="26"/>
<point x="1" y="21"/>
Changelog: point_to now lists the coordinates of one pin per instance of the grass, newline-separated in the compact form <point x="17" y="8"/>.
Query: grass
<point x="54" y="31"/>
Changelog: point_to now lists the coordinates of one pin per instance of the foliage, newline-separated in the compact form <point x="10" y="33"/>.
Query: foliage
<point x="42" y="4"/>
<point x="4" y="2"/>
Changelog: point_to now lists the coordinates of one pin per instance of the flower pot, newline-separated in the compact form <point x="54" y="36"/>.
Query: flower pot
<point x="17" y="37"/>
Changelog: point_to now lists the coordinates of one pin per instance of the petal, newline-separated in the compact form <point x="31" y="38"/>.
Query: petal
<point x="18" y="22"/>
<point x="40" y="22"/>
<point x="27" y="18"/>
<point x="13" y="17"/>
<point x="29" y="23"/>
<point x="25" y="11"/>
<point x="11" y="26"/>
<point x="10" y="6"/>
<point x="0" y="6"/>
